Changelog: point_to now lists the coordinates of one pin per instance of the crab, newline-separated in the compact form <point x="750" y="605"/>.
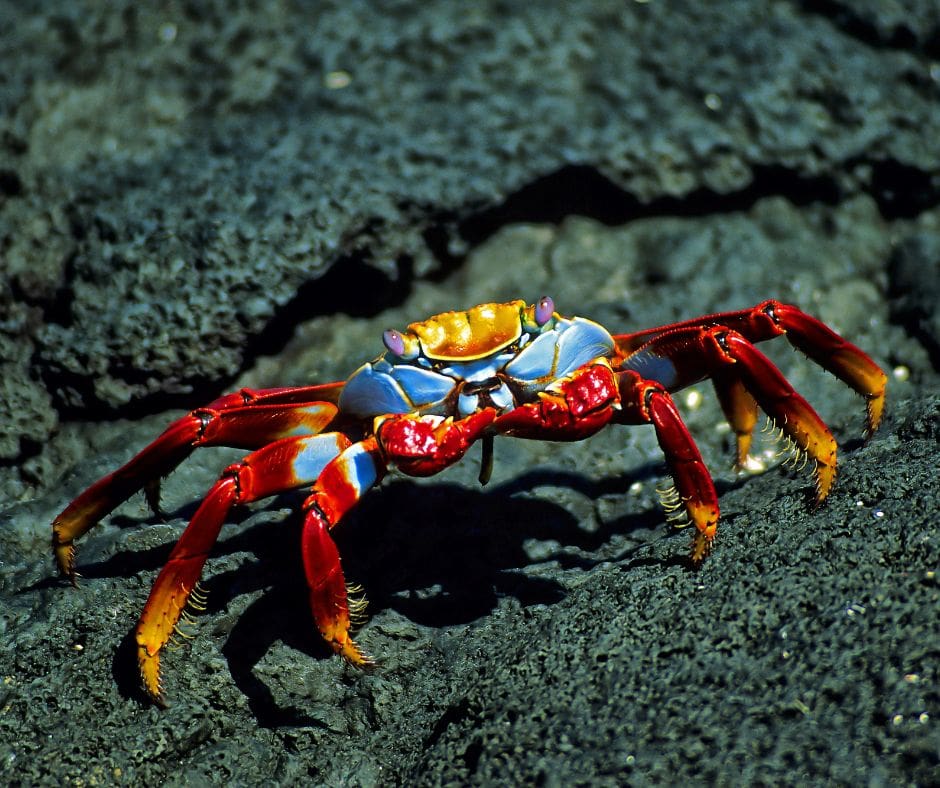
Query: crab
<point x="445" y="383"/>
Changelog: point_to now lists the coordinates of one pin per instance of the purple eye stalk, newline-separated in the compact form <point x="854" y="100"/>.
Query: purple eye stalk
<point x="399" y="344"/>
<point x="544" y="310"/>
<point x="394" y="342"/>
<point x="538" y="317"/>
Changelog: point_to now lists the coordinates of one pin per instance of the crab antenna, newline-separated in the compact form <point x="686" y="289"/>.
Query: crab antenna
<point x="544" y="310"/>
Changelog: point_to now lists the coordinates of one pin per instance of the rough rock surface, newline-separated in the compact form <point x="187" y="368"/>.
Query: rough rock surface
<point x="204" y="197"/>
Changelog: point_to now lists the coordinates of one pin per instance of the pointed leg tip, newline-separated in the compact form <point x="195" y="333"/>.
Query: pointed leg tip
<point x="874" y="408"/>
<point x="703" y="539"/>
<point x="65" y="560"/>
<point x="149" y="665"/>
<point x="825" y="476"/>
<point x="701" y="549"/>
<point x="351" y="652"/>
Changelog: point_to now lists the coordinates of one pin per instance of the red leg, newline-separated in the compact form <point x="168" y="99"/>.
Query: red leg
<point x="337" y="490"/>
<point x="721" y="346"/>
<point x="246" y="419"/>
<point x="417" y="446"/>
<point x="283" y="465"/>
<point x="594" y="395"/>
<point x="691" y="353"/>
<point x="829" y="350"/>
<point x="646" y="401"/>
<point x="777" y="399"/>
<point x="767" y="320"/>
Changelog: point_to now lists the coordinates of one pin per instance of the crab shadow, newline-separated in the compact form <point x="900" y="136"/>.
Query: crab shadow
<point x="437" y="554"/>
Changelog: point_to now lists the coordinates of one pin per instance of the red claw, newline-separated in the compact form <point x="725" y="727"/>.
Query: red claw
<point x="425" y="445"/>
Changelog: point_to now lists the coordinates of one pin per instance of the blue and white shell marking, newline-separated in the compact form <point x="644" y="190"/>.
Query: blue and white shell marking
<point x="503" y="380"/>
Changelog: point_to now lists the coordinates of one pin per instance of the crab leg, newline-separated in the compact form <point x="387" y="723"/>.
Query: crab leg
<point x="416" y="445"/>
<point x="283" y="465"/>
<point x="246" y="419"/>
<point x="771" y="319"/>
<point x="646" y="401"/>
<point x="740" y="409"/>
<point x="779" y="400"/>
<point x="338" y="489"/>
<point x="685" y="355"/>
<point x="594" y="395"/>
<point x="832" y="352"/>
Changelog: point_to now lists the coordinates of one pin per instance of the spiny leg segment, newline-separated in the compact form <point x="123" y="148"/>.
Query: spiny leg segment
<point x="416" y="445"/>
<point x="647" y="401"/>
<point x="721" y="347"/>
<point x="280" y="466"/>
<point x="777" y="398"/>
<point x="246" y="419"/>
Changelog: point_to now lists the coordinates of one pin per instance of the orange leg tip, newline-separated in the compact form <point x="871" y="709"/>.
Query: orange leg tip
<point x="355" y="656"/>
<point x="65" y="559"/>
<point x="705" y="519"/>
<point x="335" y="631"/>
<point x="336" y="634"/>
<point x="149" y="665"/>
<point x="701" y="548"/>
<point x="825" y="477"/>
<point x="874" y="407"/>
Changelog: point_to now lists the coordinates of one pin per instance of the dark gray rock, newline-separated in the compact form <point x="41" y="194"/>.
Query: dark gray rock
<point x="914" y="274"/>
<point x="238" y="156"/>
<point x="212" y="198"/>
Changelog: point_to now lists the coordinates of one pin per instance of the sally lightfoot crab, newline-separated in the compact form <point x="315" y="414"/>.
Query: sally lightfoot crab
<point x="445" y="383"/>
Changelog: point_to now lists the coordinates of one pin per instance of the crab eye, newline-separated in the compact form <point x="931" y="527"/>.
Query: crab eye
<point x="544" y="310"/>
<point x="394" y="341"/>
